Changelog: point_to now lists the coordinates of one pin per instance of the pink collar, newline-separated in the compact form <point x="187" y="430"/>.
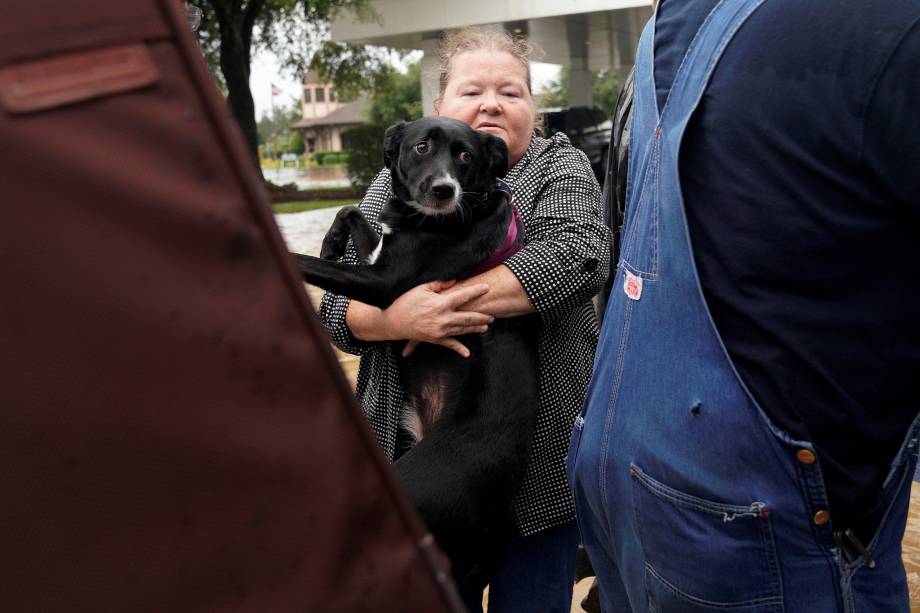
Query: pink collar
<point x="508" y="247"/>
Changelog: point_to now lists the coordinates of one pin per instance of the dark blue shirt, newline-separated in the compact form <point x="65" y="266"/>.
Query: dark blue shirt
<point x="801" y="179"/>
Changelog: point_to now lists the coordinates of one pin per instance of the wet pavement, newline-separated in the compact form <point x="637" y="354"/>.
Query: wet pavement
<point x="911" y="550"/>
<point x="304" y="233"/>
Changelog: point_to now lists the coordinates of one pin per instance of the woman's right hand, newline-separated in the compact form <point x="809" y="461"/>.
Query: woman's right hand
<point x="426" y="313"/>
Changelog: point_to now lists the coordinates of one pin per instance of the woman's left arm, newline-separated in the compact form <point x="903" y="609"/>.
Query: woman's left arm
<point x="567" y="255"/>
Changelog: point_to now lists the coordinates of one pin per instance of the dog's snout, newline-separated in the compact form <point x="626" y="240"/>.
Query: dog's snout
<point x="443" y="191"/>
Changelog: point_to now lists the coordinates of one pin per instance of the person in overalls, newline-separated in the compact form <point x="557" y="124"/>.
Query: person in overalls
<point x="749" y="437"/>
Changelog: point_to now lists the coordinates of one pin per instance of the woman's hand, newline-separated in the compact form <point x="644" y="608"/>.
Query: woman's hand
<point x="423" y="314"/>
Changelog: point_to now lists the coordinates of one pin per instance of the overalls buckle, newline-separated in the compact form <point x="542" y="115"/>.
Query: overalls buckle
<point x="851" y="547"/>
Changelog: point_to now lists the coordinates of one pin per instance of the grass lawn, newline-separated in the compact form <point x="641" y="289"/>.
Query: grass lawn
<point x="309" y="205"/>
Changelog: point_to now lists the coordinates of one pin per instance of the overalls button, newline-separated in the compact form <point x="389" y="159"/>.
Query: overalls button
<point x="821" y="518"/>
<point x="805" y="456"/>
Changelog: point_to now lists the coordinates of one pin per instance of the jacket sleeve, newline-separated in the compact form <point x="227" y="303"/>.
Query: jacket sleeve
<point x="567" y="254"/>
<point x="333" y="307"/>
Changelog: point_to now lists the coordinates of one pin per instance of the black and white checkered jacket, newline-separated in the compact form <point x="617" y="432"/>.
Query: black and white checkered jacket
<point x="562" y="265"/>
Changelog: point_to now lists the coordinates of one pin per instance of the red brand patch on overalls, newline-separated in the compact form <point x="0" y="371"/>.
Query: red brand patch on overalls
<point x="632" y="285"/>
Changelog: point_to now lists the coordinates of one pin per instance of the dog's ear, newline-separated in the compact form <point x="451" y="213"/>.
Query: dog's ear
<point x="392" y="139"/>
<point x="496" y="152"/>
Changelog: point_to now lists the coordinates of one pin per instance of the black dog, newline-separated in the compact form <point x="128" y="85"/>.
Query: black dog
<point x="473" y="418"/>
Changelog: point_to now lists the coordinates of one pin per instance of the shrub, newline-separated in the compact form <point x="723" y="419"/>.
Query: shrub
<point x="365" y="160"/>
<point x="295" y="143"/>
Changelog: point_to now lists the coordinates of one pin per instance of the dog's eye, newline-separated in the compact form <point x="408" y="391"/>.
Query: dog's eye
<point x="422" y="148"/>
<point x="465" y="156"/>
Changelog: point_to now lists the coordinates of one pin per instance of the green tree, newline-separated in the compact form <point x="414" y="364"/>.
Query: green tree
<point x="278" y="121"/>
<point x="396" y="97"/>
<point x="275" y="145"/>
<point x="295" y="30"/>
<point x="557" y="91"/>
<point x="605" y="86"/>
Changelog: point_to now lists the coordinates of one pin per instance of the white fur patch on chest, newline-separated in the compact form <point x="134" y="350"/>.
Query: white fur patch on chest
<point x="376" y="252"/>
<point x="384" y="230"/>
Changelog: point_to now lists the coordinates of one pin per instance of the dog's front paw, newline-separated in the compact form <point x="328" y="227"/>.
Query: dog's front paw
<point x="336" y="239"/>
<point x="334" y="244"/>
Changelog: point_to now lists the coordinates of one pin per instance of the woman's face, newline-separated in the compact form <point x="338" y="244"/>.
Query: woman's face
<point x="488" y="90"/>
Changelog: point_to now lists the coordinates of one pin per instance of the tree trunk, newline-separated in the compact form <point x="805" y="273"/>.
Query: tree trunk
<point x="235" y="44"/>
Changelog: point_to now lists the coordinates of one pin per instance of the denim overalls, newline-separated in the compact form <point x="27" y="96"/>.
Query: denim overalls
<point x="689" y="498"/>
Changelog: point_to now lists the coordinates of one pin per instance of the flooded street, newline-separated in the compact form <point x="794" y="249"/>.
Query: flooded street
<point x="308" y="178"/>
<point x="304" y="233"/>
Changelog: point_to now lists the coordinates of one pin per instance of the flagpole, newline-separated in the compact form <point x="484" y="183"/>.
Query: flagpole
<point x="272" y="96"/>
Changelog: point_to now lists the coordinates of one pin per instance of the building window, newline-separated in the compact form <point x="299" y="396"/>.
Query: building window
<point x="320" y="94"/>
<point x="307" y="94"/>
<point x="331" y="94"/>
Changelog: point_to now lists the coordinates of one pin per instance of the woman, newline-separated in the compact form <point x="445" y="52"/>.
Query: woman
<point x="485" y="82"/>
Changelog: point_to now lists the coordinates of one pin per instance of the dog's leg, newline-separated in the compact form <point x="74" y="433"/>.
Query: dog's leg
<point x="360" y="282"/>
<point x="350" y="221"/>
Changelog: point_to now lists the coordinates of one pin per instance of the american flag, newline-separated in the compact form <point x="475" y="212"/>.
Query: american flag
<point x="276" y="91"/>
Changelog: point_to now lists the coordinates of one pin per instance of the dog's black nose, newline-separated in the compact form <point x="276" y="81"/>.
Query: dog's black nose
<point x="443" y="191"/>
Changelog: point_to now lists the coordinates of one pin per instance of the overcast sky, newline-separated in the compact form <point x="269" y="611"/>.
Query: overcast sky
<point x="265" y="72"/>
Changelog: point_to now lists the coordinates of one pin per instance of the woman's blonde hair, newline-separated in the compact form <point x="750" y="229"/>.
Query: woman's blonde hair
<point x="474" y="39"/>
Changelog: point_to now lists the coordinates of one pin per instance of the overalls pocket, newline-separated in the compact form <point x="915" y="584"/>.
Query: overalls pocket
<point x="704" y="556"/>
<point x="640" y="243"/>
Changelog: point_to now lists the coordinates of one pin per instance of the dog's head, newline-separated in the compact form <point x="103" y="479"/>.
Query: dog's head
<point x="438" y="163"/>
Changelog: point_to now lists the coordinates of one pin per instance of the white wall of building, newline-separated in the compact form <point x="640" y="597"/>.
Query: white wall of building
<point x="584" y="35"/>
<point x="409" y="17"/>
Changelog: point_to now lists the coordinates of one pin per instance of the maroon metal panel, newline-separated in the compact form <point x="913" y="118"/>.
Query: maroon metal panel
<point x="175" y="433"/>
